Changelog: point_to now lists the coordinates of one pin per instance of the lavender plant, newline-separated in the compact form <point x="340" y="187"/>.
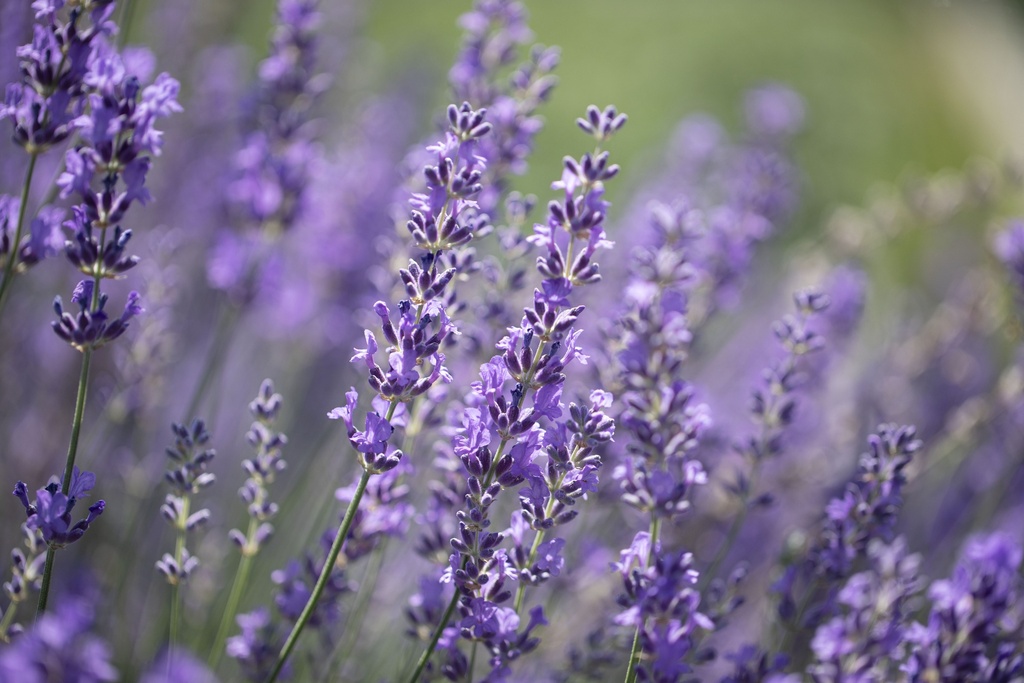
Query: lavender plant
<point x="485" y="404"/>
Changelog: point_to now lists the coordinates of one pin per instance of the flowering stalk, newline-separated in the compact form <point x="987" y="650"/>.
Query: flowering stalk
<point x="442" y="218"/>
<point x="45" y="105"/>
<point x="118" y="139"/>
<point x="262" y="470"/>
<point x="50" y="514"/>
<point x="868" y="508"/>
<point x="774" y="408"/>
<point x="26" y="574"/>
<point x="478" y="568"/>
<point x="268" y="192"/>
<point x="190" y="459"/>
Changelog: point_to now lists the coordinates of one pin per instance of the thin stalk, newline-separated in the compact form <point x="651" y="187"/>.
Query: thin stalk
<point x="734" y="530"/>
<point x="44" y="588"/>
<point x="421" y="664"/>
<point x="125" y="22"/>
<point x="5" y="622"/>
<point x="179" y="553"/>
<point x="472" y="663"/>
<point x="19" y="230"/>
<point x="69" y="465"/>
<point x="175" y="617"/>
<point x="634" y="652"/>
<point x="76" y="428"/>
<point x="241" y="578"/>
<point x="325" y="574"/>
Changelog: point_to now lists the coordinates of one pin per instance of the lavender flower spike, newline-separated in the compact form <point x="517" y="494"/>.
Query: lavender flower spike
<point x="51" y="512"/>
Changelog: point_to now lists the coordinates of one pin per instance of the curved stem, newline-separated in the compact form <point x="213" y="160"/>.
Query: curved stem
<point x="421" y="664"/>
<point x="634" y="652"/>
<point x="19" y="230"/>
<point x="325" y="574"/>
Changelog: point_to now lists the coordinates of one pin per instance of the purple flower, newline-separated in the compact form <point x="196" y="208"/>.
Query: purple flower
<point x="51" y="512"/>
<point x="177" y="666"/>
<point x="774" y="112"/>
<point x="1009" y="247"/>
<point x="256" y="647"/>
<point x="972" y="632"/>
<point x="59" y="646"/>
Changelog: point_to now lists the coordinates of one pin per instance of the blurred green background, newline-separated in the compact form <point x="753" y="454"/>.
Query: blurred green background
<point x="882" y="96"/>
<point x="892" y="88"/>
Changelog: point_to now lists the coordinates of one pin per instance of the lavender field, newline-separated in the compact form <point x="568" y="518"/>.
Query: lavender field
<point x="501" y="340"/>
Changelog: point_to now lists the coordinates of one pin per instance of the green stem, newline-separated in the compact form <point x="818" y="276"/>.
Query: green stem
<point x="421" y="664"/>
<point x="175" y="618"/>
<point x="19" y="230"/>
<point x="76" y="425"/>
<point x="734" y="531"/>
<point x="472" y="662"/>
<point x="325" y="574"/>
<point x="241" y="578"/>
<point x="69" y="465"/>
<point x="125" y="22"/>
<point x="5" y="622"/>
<point x="179" y="554"/>
<point x="634" y="652"/>
<point x="44" y="588"/>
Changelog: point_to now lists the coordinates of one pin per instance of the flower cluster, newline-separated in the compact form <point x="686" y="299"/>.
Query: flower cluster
<point x="482" y="402"/>
<point x="867" y="510"/>
<point x="661" y="602"/>
<point x="504" y="438"/>
<point x="190" y="461"/>
<point x="262" y="469"/>
<point x="50" y="514"/>
<point x="45" y="104"/>
<point x="266" y="195"/>
<point x="974" y="630"/>
<point x="495" y="31"/>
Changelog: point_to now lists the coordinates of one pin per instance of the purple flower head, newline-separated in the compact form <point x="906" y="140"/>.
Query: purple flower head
<point x="972" y="632"/>
<point x="176" y="666"/>
<point x="372" y="441"/>
<point x="60" y="646"/>
<point x="865" y="638"/>
<point x="549" y="557"/>
<point x="51" y="512"/>
<point x="1009" y="247"/>
<point x="662" y="602"/>
<point x="774" y="112"/>
<point x="92" y="327"/>
<point x="256" y="647"/>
